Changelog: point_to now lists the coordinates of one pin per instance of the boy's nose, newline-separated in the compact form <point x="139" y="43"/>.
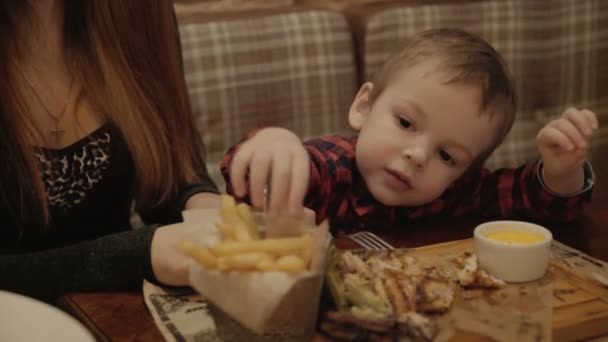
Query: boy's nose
<point x="417" y="156"/>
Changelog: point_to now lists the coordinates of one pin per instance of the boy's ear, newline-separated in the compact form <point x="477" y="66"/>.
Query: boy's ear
<point x="360" y="107"/>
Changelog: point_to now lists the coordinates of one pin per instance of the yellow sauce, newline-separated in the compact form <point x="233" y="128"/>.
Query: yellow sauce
<point x="515" y="237"/>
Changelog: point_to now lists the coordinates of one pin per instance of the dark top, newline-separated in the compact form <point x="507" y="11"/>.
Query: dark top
<point x="89" y="244"/>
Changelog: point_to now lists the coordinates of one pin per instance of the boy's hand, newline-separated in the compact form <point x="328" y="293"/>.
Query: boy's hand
<point x="563" y="145"/>
<point x="275" y="157"/>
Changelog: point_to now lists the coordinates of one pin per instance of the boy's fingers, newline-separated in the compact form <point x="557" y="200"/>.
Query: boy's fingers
<point x="580" y="121"/>
<point x="591" y="118"/>
<point x="238" y="170"/>
<point x="571" y="131"/>
<point x="553" y="137"/>
<point x="308" y="216"/>
<point x="259" y="170"/>
<point x="280" y="178"/>
<point x="569" y="111"/>
<point x="299" y="182"/>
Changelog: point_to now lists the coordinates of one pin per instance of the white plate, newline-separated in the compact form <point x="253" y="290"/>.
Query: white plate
<point x="26" y="319"/>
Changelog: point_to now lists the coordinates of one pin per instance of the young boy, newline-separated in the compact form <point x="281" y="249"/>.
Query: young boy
<point x="426" y="124"/>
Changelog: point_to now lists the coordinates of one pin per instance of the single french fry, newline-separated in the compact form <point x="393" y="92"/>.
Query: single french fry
<point x="226" y="230"/>
<point x="241" y="232"/>
<point x="228" y="209"/>
<point x="246" y="261"/>
<point x="266" y="257"/>
<point x="266" y="265"/>
<point x="186" y="247"/>
<point x="306" y="256"/>
<point x="227" y="201"/>
<point x="274" y="246"/>
<point x="228" y="215"/>
<point x="246" y="215"/>
<point x="290" y="263"/>
<point x="198" y="253"/>
<point x="222" y="263"/>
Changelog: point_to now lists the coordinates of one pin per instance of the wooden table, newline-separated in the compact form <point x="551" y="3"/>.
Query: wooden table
<point x="125" y="317"/>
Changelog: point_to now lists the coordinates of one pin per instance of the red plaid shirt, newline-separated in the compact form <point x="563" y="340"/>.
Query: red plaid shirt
<point x="337" y="192"/>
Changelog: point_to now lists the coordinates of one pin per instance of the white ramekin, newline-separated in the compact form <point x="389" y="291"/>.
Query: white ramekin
<point x="512" y="262"/>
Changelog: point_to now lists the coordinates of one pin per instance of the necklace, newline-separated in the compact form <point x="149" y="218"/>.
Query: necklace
<point x="56" y="131"/>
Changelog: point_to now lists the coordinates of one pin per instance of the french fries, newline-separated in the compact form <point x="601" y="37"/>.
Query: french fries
<point x="242" y="248"/>
<point x="200" y="254"/>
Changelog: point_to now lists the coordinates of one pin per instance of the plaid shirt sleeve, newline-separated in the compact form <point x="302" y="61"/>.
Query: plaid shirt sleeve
<point x="331" y="165"/>
<point x="515" y="193"/>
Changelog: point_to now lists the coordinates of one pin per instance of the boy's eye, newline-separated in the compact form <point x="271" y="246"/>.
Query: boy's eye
<point x="446" y="157"/>
<point x="403" y="122"/>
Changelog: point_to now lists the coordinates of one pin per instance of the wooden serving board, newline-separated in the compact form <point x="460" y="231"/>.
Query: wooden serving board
<point x="580" y="304"/>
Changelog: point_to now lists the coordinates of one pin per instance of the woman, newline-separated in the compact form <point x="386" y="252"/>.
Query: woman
<point x="94" y="116"/>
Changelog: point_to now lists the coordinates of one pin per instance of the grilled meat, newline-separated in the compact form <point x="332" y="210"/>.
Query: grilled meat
<point x="383" y="296"/>
<point x="470" y="275"/>
<point x="434" y="295"/>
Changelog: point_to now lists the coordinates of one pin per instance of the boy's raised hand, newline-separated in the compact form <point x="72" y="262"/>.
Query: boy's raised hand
<point x="563" y="145"/>
<point x="275" y="157"/>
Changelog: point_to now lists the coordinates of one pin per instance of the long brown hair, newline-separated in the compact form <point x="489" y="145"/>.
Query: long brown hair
<point x="128" y="64"/>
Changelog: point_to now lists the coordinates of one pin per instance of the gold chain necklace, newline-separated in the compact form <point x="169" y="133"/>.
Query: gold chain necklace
<point x="56" y="131"/>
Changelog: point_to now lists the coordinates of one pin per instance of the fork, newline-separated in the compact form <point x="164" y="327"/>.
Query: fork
<point x="369" y="240"/>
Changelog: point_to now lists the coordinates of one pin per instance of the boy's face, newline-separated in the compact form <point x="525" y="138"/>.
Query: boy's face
<point x="419" y="135"/>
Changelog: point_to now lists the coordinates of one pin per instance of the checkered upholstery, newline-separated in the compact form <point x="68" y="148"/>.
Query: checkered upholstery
<point x="294" y="70"/>
<point x="557" y="51"/>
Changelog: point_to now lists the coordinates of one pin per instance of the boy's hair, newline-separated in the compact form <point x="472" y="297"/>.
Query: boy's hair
<point x="463" y="57"/>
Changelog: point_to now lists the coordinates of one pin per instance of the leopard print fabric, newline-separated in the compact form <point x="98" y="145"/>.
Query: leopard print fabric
<point x="69" y="173"/>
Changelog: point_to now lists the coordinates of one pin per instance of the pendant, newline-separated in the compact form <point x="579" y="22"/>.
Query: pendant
<point x="57" y="132"/>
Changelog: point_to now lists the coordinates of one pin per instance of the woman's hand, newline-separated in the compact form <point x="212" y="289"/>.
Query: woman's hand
<point x="274" y="157"/>
<point x="563" y="145"/>
<point x="170" y="266"/>
<point x="203" y="200"/>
